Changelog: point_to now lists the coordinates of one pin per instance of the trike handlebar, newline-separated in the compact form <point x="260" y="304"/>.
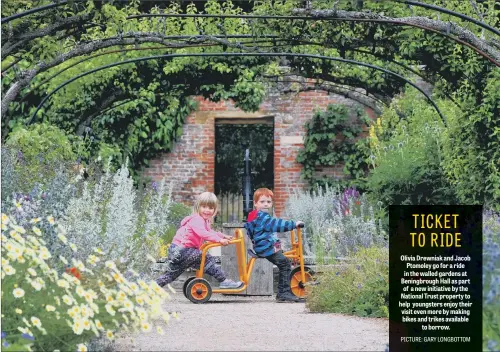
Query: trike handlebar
<point x="218" y="244"/>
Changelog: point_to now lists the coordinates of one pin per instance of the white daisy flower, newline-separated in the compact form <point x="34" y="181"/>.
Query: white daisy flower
<point x="18" y="292"/>
<point x="81" y="347"/>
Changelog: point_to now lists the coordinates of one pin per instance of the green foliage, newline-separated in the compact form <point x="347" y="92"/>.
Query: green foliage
<point x="248" y="94"/>
<point x="332" y="139"/>
<point x="177" y="212"/>
<point x="381" y="45"/>
<point x="472" y="145"/>
<point x="141" y="137"/>
<point x="137" y="110"/>
<point x="35" y="154"/>
<point x="418" y="159"/>
<point x="491" y="280"/>
<point x="41" y="140"/>
<point x="359" y="288"/>
<point x="407" y="157"/>
<point x="22" y="344"/>
<point x="338" y="223"/>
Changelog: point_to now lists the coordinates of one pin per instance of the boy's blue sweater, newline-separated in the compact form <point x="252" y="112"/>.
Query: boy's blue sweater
<point x="261" y="229"/>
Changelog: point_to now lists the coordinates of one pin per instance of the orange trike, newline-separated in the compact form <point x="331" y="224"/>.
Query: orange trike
<point x="199" y="290"/>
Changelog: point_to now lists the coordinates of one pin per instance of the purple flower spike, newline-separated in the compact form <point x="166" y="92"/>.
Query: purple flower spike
<point x="27" y="337"/>
<point x="349" y="194"/>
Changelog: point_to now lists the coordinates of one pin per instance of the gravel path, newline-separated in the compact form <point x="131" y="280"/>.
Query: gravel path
<point x="238" y="323"/>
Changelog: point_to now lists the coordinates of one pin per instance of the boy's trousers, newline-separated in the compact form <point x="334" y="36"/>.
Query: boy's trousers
<point x="285" y="270"/>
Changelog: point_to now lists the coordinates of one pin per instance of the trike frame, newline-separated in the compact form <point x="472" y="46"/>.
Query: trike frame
<point x="199" y="290"/>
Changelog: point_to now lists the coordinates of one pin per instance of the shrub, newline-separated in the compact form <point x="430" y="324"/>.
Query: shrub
<point x="332" y="138"/>
<point x="47" y="307"/>
<point x="41" y="139"/>
<point x="161" y="217"/>
<point x="176" y="212"/>
<point x="491" y="281"/>
<point x="407" y="155"/>
<point x="109" y="215"/>
<point x="104" y="208"/>
<point x="337" y="223"/>
<point x="36" y="153"/>
<point x="49" y="199"/>
<point x="29" y="179"/>
<point x="360" y="288"/>
<point x="472" y="144"/>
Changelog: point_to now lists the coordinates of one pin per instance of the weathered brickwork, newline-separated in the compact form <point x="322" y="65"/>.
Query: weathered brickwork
<point x="190" y="165"/>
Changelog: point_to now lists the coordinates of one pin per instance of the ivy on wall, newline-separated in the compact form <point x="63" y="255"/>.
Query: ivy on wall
<point x="333" y="138"/>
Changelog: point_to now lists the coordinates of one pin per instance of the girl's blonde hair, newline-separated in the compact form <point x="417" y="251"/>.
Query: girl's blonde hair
<point x="207" y="199"/>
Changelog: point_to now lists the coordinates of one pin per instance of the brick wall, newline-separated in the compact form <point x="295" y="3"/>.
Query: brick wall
<point x="190" y="165"/>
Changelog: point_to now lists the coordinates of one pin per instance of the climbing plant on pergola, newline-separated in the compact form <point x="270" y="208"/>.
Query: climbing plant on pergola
<point x="126" y="69"/>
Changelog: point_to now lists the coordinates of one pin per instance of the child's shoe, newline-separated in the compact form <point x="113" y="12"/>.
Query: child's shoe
<point x="288" y="297"/>
<point x="230" y="284"/>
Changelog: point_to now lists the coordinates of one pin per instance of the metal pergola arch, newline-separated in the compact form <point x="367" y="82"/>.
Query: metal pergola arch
<point x="327" y="18"/>
<point x="241" y="47"/>
<point x="327" y="84"/>
<point x="452" y="13"/>
<point x="407" y="2"/>
<point x="255" y="16"/>
<point x="194" y="38"/>
<point x="156" y="57"/>
<point x="323" y="86"/>
<point x="60" y="3"/>
<point x="166" y="47"/>
<point x="35" y="10"/>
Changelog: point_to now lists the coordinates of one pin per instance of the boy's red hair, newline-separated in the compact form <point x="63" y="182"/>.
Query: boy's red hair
<point x="262" y="192"/>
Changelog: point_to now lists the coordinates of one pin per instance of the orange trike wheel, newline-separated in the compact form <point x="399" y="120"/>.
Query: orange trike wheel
<point x="298" y="287"/>
<point x="198" y="291"/>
